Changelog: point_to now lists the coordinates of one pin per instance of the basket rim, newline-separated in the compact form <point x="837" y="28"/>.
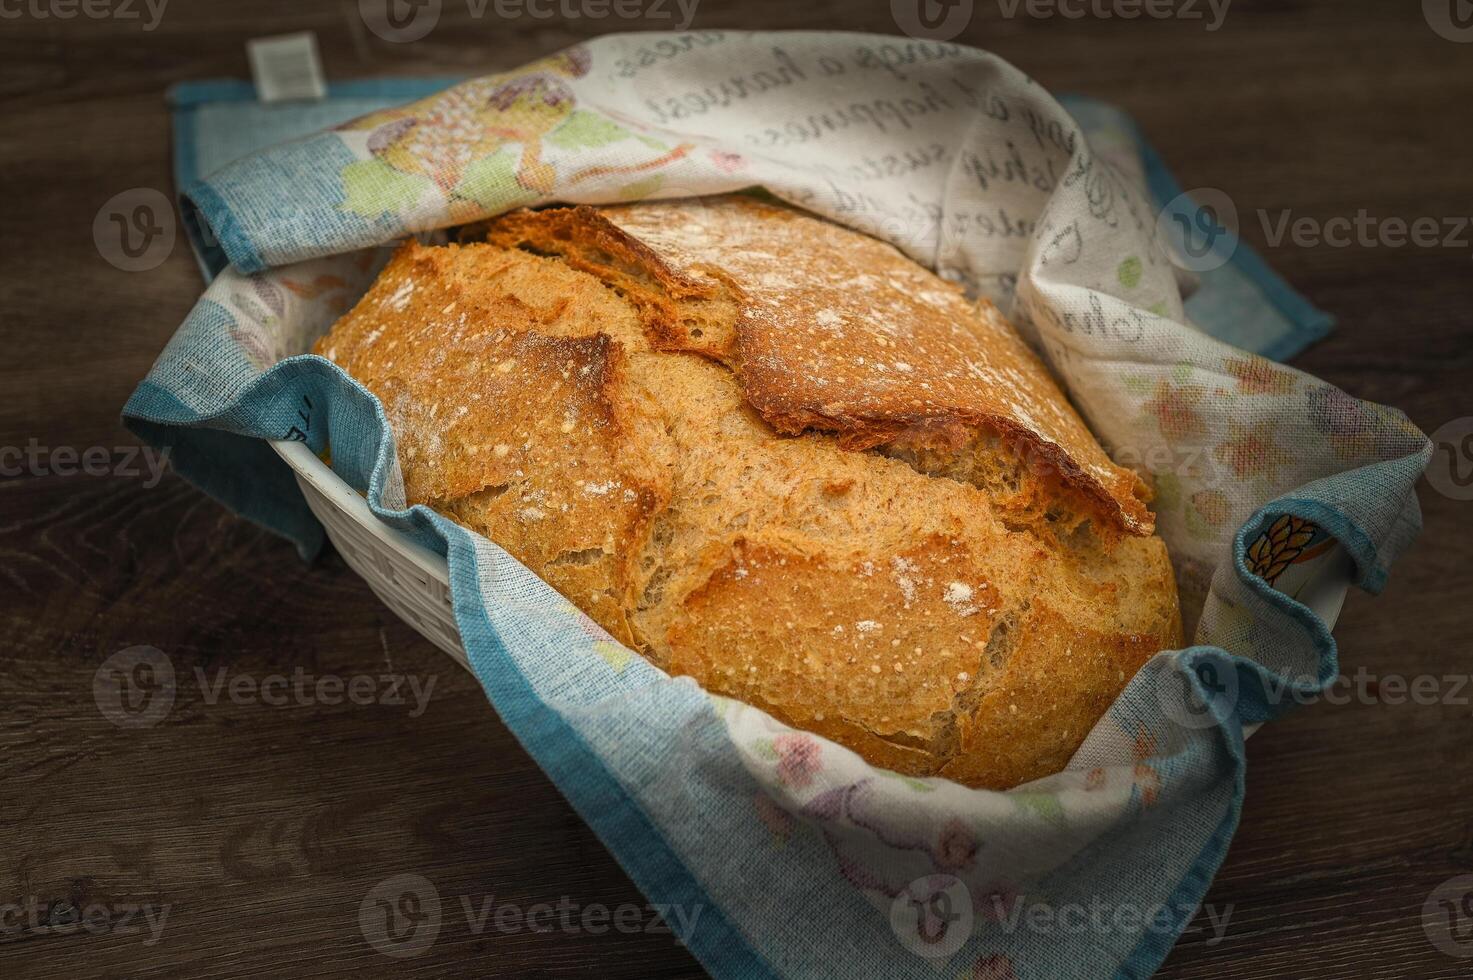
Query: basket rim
<point x="335" y="491"/>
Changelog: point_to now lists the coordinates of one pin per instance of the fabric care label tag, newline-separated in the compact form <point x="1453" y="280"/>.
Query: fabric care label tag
<point x="286" y="68"/>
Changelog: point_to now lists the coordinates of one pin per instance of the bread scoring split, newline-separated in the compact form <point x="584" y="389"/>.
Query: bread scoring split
<point x="778" y="456"/>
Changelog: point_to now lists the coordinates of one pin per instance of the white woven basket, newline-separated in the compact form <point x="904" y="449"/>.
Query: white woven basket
<point x="415" y="582"/>
<point x="411" y="580"/>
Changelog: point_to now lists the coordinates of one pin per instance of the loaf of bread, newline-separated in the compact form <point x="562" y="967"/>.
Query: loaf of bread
<point x="780" y="457"/>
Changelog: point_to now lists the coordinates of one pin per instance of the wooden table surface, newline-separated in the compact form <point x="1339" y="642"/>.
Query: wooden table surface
<point x="262" y="828"/>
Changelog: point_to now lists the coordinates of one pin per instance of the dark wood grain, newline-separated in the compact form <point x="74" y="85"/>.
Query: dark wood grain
<point x="263" y="827"/>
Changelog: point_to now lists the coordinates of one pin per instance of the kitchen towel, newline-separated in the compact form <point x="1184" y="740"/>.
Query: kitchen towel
<point x="1239" y="299"/>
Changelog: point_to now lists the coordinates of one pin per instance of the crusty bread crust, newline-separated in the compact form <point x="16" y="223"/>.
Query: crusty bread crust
<point x="777" y="456"/>
<point x="837" y="332"/>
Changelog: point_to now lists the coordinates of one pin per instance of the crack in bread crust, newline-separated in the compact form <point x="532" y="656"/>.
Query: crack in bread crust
<point x="842" y="333"/>
<point x="578" y="385"/>
<point x="859" y="342"/>
<point x="691" y="310"/>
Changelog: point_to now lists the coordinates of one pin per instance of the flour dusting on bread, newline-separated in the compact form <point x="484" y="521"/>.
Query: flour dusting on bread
<point x="776" y="455"/>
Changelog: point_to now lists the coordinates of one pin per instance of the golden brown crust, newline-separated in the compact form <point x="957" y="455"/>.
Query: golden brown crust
<point x="518" y="433"/>
<point x="1058" y="677"/>
<point x="842" y="333"/>
<point x="894" y="572"/>
<point x="673" y="303"/>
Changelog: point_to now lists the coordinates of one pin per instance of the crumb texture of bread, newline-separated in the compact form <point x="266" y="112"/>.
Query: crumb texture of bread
<point x="777" y="456"/>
